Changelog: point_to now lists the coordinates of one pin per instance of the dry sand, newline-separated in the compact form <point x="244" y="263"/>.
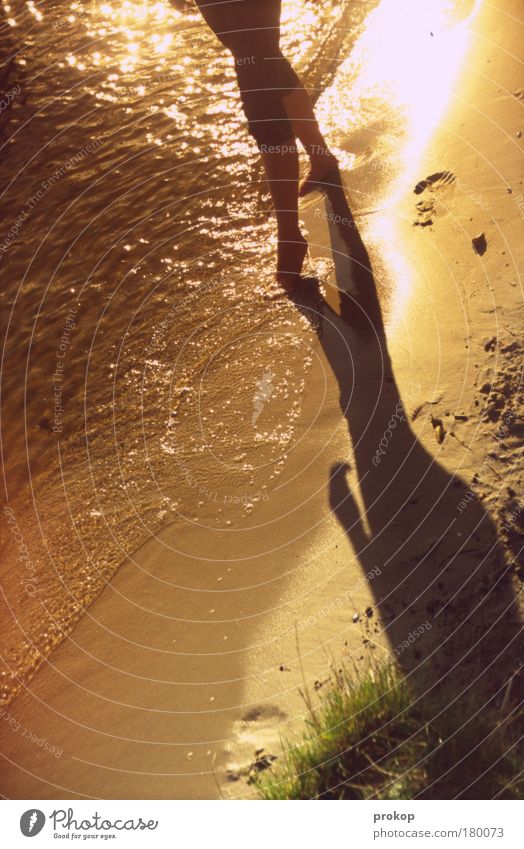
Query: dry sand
<point x="177" y="674"/>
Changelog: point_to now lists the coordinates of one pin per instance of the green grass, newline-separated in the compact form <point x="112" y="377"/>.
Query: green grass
<point x="373" y="739"/>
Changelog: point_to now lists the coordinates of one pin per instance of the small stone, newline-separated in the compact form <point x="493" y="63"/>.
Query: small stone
<point x="369" y="612"/>
<point x="480" y="244"/>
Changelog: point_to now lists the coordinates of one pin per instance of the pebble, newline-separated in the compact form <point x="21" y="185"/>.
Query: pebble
<point x="480" y="244"/>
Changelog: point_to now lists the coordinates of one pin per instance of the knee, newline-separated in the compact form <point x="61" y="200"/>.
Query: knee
<point x="273" y="136"/>
<point x="267" y="118"/>
<point x="288" y="79"/>
<point x="263" y="86"/>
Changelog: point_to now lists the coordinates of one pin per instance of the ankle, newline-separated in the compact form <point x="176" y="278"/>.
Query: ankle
<point x="319" y="152"/>
<point x="290" y="236"/>
<point x="322" y="163"/>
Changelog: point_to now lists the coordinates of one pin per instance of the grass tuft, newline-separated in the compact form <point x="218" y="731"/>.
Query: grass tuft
<point x="372" y="738"/>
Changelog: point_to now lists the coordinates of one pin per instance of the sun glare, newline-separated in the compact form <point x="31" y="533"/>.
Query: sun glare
<point x="396" y="86"/>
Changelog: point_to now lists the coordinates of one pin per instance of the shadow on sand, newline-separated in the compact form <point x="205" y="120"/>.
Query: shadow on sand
<point x="443" y="593"/>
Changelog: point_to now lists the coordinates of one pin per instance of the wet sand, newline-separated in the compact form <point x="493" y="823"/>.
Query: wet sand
<point x="136" y="241"/>
<point x="193" y="656"/>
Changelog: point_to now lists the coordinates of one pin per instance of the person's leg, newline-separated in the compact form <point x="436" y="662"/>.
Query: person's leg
<point x="281" y="168"/>
<point x="305" y="126"/>
<point x="273" y="131"/>
<point x="251" y="31"/>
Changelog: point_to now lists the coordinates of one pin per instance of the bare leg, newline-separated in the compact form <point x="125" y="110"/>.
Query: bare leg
<point x="305" y="126"/>
<point x="282" y="174"/>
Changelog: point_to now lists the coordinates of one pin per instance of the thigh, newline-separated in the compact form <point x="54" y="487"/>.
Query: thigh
<point x="250" y="29"/>
<point x="244" y="26"/>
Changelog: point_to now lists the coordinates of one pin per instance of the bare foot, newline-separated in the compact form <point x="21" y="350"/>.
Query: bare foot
<point x="291" y="256"/>
<point x="322" y="168"/>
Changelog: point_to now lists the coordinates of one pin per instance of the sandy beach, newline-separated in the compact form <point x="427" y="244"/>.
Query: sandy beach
<point x="243" y="492"/>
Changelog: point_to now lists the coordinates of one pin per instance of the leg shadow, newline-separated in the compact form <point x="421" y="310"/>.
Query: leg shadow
<point x="442" y="589"/>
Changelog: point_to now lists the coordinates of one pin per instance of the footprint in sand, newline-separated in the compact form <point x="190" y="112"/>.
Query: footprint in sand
<point x="254" y="741"/>
<point x="438" y="190"/>
<point x="265" y="715"/>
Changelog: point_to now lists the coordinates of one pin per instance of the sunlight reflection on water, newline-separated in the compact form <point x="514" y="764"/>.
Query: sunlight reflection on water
<point x="167" y="207"/>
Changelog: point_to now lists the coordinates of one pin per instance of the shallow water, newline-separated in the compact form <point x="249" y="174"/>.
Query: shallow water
<point x="136" y="250"/>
